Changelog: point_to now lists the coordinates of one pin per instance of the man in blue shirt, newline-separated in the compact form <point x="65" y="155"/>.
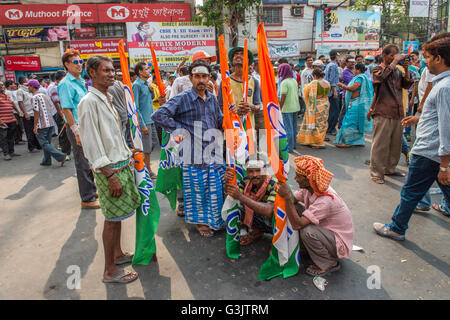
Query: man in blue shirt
<point x="196" y="116"/>
<point x="430" y="155"/>
<point x="143" y="98"/>
<point x="70" y="91"/>
<point x="332" y="76"/>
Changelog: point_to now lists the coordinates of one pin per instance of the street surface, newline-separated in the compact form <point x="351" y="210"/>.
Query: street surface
<point x="43" y="232"/>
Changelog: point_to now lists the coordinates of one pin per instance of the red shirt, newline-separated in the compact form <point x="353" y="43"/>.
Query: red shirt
<point x="6" y="109"/>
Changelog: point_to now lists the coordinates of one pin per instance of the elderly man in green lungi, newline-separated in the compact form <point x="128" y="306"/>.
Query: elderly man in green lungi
<point x="110" y="158"/>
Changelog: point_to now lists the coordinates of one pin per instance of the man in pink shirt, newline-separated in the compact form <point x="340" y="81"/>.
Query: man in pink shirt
<point x="326" y="226"/>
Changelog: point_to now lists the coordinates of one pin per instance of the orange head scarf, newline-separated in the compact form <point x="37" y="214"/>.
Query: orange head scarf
<point x="313" y="169"/>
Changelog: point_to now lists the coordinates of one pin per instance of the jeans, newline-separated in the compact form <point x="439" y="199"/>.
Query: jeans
<point x="45" y="140"/>
<point x="407" y="132"/>
<point x="290" y="123"/>
<point x="333" y="115"/>
<point x="422" y="173"/>
<point x="405" y="145"/>
<point x="343" y="110"/>
<point x="7" y="137"/>
<point x="33" y="143"/>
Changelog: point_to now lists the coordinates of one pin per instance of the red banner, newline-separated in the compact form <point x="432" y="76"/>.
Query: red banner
<point x="87" y="48"/>
<point x="22" y="63"/>
<point x="140" y="12"/>
<point x="10" y="75"/>
<point x="85" y="33"/>
<point x="173" y="46"/>
<point x="44" y="14"/>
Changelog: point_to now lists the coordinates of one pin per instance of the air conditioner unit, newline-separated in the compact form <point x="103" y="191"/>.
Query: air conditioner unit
<point x="297" y="11"/>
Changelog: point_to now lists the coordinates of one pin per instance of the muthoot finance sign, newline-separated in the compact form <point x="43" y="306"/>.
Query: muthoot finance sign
<point x="39" y="14"/>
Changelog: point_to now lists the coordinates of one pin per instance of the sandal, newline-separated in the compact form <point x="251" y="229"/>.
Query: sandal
<point x="377" y="179"/>
<point x="440" y="208"/>
<point x="180" y="211"/>
<point x="343" y="145"/>
<point x="123" y="277"/>
<point x="314" y="270"/>
<point x="205" y="232"/>
<point x="125" y="259"/>
<point x="250" y="237"/>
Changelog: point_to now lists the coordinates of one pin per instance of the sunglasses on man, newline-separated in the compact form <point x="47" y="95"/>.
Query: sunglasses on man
<point x="77" y="61"/>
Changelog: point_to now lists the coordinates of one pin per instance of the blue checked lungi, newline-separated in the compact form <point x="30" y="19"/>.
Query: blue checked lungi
<point x="203" y="192"/>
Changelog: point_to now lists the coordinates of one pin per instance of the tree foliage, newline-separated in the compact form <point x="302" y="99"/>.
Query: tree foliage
<point x="219" y="13"/>
<point x="395" y="20"/>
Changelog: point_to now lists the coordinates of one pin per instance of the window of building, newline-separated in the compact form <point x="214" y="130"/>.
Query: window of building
<point x="272" y="16"/>
<point x="110" y="30"/>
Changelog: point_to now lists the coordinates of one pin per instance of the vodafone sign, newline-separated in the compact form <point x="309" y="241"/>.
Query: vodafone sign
<point x="21" y="63"/>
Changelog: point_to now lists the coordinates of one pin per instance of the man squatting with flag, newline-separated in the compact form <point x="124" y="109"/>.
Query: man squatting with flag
<point x="326" y="226"/>
<point x="109" y="157"/>
<point x="195" y="112"/>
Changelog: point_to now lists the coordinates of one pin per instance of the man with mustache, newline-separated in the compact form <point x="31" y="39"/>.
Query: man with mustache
<point x="192" y="114"/>
<point x="256" y="192"/>
<point x="104" y="145"/>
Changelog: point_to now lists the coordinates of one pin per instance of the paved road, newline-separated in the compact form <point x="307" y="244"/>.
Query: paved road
<point x="43" y="232"/>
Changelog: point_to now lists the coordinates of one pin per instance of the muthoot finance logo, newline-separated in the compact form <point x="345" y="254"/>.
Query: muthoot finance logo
<point x="14" y="14"/>
<point x="118" y="13"/>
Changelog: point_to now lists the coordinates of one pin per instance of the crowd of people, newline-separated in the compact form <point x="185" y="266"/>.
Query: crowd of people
<point x="344" y="97"/>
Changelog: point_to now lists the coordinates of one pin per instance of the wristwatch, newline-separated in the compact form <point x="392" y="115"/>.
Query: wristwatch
<point x="443" y="169"/>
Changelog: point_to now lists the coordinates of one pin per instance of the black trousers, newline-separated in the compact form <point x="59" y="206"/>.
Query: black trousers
<point x="33" y="143"/>
<point x="7" y="136"/>
<point x="19" y="129"/>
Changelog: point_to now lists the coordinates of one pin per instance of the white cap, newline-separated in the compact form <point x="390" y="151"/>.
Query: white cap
<point x="318" y="63"/>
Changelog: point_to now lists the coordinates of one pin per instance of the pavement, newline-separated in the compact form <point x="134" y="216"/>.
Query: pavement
<point x="45" y="239"/>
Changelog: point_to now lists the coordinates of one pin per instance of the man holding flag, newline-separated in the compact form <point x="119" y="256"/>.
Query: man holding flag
<point x="110" y="158"/>
<point x="193" y="113"/>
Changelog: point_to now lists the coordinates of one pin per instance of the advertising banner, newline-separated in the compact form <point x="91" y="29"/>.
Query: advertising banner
<point x="22" y="63"/>
<point x="44" y="14"/>
<point x="88" y="48"/>
<point x="85" y="33"/>
<point x="10" y="75"/>
<point x="418" y="8"/>
<point x="36" y="34"/>
<point x="413" y="45"/>
<point x="170" y="40"/>
<point x="273" y="34"/>
<point x="121" y="12"/>
<point x="283" y="50"/>
<point x="350" y="30"/>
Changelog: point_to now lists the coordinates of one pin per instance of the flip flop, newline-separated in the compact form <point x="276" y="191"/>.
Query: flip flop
<point x="439" y="208"/>
<point x="377" y="179"/>
<point x="118" y="278"/>
<point x="331" y="269"/>
<point x="125" y="259"/>
<point x="206" y="230"/>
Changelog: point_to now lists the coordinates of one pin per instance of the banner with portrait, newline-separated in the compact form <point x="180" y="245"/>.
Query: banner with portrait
<point x="36" y="34"/>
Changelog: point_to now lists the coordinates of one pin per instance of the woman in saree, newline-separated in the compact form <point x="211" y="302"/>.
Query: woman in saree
<point x="315" y="121"/>
<point x="358" y="98"/>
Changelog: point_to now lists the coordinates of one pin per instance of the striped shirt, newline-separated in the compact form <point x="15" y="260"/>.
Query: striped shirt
<point x="41" y="104"/>
<point x="6" y="109"/>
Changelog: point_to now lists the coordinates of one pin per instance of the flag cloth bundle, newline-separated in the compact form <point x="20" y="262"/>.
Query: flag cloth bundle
<point x="248" y="123"/>
<point x="284" y="260"/>
<point x="236" y="145"/>
<point x="159" y="82"/>
<point x="170" y="178"/>
<point x="148" y="212"/>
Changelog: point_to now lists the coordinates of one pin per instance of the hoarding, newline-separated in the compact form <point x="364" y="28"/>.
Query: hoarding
<point x="349" y="30"/>
<point x="171" y="41"/>
<point x="36" y="34"/>
<point x="88" y="48"/>
<point x="418" y="8"/>
<point x="284" y="50"/>
<point x="22" y="63"/>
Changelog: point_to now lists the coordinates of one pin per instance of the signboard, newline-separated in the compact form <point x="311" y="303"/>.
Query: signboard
<point x="171" y="40"/>
<point x="10" y="75"/>
<point x="407" y="44"/>
<point x="323" y="51"/>
<point x="350" y="30"/>
<point x="372" y="53"/>
<point x="36" y="34"/>
<point x="43" y="14"/>
<point x="273" y="34"/>
<point x="122" y="12"/>
<point x="85" y="33"/>
<point x="419" y="8"/>
<point x="329" y="3"/>
<point x="22" y="63"/>
<point x="283" y="50"/>
<point x="106" y="47"/>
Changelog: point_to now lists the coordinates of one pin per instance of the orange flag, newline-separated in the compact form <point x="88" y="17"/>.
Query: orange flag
<point x="248" y="122"/>
<point x="159" y="82"/>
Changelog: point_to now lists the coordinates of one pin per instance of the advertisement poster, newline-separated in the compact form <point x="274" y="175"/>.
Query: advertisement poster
<point x="418" y="8"/>
<point x="36" y="34"/>
<point x="410" y="46"/>
<point x="106" y="47"/>
<point x="171" y="41"/>
<point x="22" y="63"/>
<point x="350" y="30"/>
<point x="283" y="50"/>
